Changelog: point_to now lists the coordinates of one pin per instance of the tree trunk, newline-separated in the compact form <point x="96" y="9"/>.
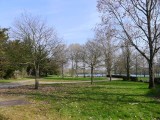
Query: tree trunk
<point x="30" y="72"/>
<point x="72" y="71"/>
<point x="109" y="74"/>
<point x="36" y="76"/>
<point x="84" y="70"/>
<point x="46" y="74"/>
<point x="151" y="60"/>
<point x="76" y="71"/>
<point x="36" y="83"/>
<point x="144" y="73"/>
<point x="115" y="70"/>
<point x="136" y="67"/>
<point x="91" y="74"/>
<point x="151" y="75"/>
<point x="62" y="71"/>
<point x="128" y="67"/>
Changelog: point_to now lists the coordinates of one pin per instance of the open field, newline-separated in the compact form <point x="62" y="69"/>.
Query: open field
<point x="58" y="78"/>
<point x="52" y="78"/>
<point x="106" y="100"/>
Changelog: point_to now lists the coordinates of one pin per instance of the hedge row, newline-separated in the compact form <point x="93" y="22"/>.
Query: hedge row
<point x="125" y="77"/>
<point x="116" y="76"/>
<point x="131" y="78"/>
<point x="156" y="80"/>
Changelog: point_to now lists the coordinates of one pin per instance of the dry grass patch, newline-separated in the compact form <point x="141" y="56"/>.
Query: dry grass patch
<point x="36" y="110"/>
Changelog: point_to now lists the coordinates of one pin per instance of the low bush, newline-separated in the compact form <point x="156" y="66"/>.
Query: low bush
<point x="134" y="78"/>
<point x="116" y="76"/>
<point x="131" y="78"/>
<point x="157" y="80"/>
<point x="125" y="78"/>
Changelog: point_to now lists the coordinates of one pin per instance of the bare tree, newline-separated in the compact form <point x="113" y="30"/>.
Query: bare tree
<point x="93" y="54"/>
<point x="61" y="57"/>
<point x="138" y="18"/>
<point x="119" y="64"/>
<point x="105" y="37"/>
<point x="83" y="60"/>
<point x="42" y="39"/>
<point x="126" y="51"/>
<point x="74" y="53"/>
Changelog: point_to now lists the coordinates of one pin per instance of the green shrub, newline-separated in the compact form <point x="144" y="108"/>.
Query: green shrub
<point x="157" y="80"/>
<point x="116" y="76"/>
<point x="125" y="78"/>
<point x="134" y="78"/>
<point x="131" y="78"/>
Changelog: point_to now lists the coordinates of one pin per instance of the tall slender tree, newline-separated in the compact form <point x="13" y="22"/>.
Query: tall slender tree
<point x="106" y="40"/>
<point x="74" y="53"/>
<point x="93" y="55"/>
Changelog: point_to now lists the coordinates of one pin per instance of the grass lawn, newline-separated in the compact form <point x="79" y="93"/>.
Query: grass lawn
<point x="143" y="78"/>
<point x="101" y="101"/>
<point x="13" y="80"/>
<point x="56" y="78"/>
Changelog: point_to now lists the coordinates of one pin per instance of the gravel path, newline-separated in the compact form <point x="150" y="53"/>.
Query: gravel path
<point x="13" y="103"/>
<point x="16" y="84"/>
<point x="32" y="81"/>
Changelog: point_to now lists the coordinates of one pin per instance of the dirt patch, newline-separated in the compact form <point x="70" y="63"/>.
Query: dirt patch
<point x="13" y="102"/>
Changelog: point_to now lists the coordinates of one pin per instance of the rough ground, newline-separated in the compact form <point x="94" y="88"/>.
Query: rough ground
<point x="17" y="84"/>
<point x="13" y="102"/>
<point x="31" y="82"/>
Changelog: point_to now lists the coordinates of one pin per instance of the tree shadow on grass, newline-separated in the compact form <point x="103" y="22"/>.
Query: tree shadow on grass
<point x="154" y="93"/>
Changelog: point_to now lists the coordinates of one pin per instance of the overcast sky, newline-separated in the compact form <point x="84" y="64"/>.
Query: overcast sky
<point x="74" y="20"/>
